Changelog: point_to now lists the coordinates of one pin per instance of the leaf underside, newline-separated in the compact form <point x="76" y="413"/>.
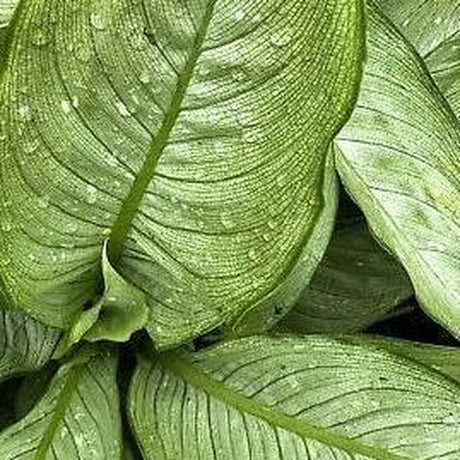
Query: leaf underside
<point x="399" y="157"/>
<point x="288" y="397"/>
<point x="77" y="418"/>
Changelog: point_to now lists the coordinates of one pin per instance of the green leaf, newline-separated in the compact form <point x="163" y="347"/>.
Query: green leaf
<point x="289" y="398"/>
<point x="7" y="8"/>
<point x="399" y="157"/>
<point x="25" y="344"/>
<point x="354" y="286"/>
<point x="433" y="27"/>
<point x="77" y="418"/>
<point x="119" y="312"/>
<point x="445" y="360"/>
<point x="192" y="134"/>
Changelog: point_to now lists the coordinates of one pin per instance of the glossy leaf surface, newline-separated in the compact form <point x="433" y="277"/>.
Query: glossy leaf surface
<point x="399" y="156"/>
<point x="193" y="135"/>
<point x="77" y="418"/>
<point x="289" y="398"/>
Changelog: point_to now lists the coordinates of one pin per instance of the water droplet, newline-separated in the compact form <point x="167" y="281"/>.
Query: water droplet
<point x="266" y="237"/>
<point x="238" y="14"/>
<point x="66" y="106"/>
<point x="252" y="254"/>
<point x="122" y="109"/>
<point x="75" y="101"/>
<point x="91" y="194"/>
<point x="145" y="77"/>
<point x="6" y="226"/>
<point x="23" y="111"/>
<point x="97" y="21"/>
<point x="250" y="136"/>
<point x="281" y="38"/>
<point x="43" y="202"/>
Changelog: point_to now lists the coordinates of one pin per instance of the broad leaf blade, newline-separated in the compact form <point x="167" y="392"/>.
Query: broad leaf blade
<point x="356" y="284"/>
<point x="434" y="29"/>
<point x="192" y="134"/>
<point x="25" y="344"/>
<point x="399" y="156"/>
<point x="77" y="418"/>
<point x="288" y="397"/>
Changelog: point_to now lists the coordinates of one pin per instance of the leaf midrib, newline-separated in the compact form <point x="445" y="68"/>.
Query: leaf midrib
<point x="62" y="405"/>
<point x="194" y="376"/>
<point x="133" y="199"/>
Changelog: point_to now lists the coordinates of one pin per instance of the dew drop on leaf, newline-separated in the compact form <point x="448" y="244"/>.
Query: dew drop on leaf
<point x="280" y="38"/>
<point x="123" y="110"/>
<point x="97" y="21"/>
<point x="66" y="106"/>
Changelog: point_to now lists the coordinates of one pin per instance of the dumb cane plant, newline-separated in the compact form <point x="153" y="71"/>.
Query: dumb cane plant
<point x="179" y="278"/>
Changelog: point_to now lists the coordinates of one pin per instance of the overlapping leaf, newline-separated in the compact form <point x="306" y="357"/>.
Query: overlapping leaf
<point x="25" y="344"/>
<point x="77" y="418"/>
<point x="192" y="134"/>
<point x="289" y="398"/>
<point x="433" y="27"/>
<point x="355" y="285"/>
<point x="399" y="156"/>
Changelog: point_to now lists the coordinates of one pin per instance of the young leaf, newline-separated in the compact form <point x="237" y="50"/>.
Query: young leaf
<point x="77" y="418"/>
<point x="399" y="156"/>
<point x="289" y="397"/>
<point x="356" y="283"/>
<point x="192" y="134"/>
<point x="434" y="29"/>
<point x="25" y="344"/>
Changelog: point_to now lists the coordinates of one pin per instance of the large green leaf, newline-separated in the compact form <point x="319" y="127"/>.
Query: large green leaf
<point x="192" y="134"/>
<point x="433" y="27"/>
<point x="25" y="344"/>
<point x="355" y="285"/>
<point x="399" y="156"/>
<point x="77" y="418"/>
<point x="293" y="398"/>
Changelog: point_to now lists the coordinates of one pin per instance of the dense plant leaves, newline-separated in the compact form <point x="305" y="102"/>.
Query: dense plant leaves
<point x="400" y="158"/>
<point x="355" y="285"/>
<point x="290" y="397"/>
<point x="77" y="418"/>
<point x="25" y="344"/>
<point x="434" y="29"/>
<point x="241" y="100"/>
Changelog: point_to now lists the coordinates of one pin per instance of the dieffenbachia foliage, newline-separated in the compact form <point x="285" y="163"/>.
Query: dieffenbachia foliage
<point x="433" y="27"/>
<point x="399" y="156"/>
<point x="292" y="398"/>
<point x="191" y="135"/>
<point x="356" y="284"/>
<point x="25" y="344"/>
<point x="77" y="417"/>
